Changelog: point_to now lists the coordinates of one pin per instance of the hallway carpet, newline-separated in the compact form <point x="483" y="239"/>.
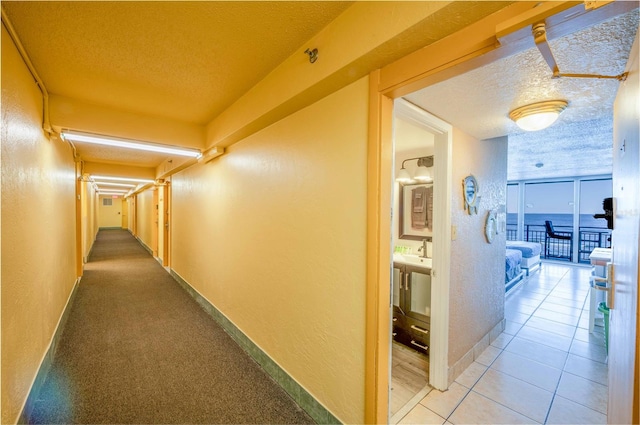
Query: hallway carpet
<point x="138" y="349"/>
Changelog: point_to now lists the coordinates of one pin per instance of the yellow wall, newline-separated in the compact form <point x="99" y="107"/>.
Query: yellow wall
<point x="273" y="235"/>
<point x="38" y="231"/>
<point x="89" y="218"/>
<point x="144" y="217"/>
<point x="161" y="207"/>
<point x="131" y="208"/>
<point x="110" y="215"/>
<point x="477" y="272"/>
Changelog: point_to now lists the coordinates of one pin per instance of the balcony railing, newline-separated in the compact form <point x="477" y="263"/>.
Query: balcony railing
<point x="558" y="249"/>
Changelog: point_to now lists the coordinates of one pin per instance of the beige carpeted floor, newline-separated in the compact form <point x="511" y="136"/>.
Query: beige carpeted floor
<point x="138" y="349"/>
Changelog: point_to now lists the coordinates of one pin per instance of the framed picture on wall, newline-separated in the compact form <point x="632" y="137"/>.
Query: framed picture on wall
<point x="416" y="211"/>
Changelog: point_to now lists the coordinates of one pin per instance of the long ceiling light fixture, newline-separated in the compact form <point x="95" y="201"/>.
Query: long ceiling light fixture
<point x="95" y="139"/>
<point x="107" y="190"/>
<point x="120" y="179"/>
<point x="538" y="116"/>
<point x="116" y="194"/>
<point x="101" y="183"/>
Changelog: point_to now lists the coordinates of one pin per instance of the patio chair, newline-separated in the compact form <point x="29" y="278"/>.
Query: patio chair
<point x="557" y="240"/>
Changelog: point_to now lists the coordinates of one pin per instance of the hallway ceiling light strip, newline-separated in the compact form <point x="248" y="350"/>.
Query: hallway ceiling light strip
<point x="127" y="144"/>
<point x="99" y="183"/>
<point x="112" y="193"/>
<point x="113" y="190"/>
<point x="121" y="179"/>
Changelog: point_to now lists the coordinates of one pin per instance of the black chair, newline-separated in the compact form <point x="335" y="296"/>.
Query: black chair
<point x="553" y="239"/>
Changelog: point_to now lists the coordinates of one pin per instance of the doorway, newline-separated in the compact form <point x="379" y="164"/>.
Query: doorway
<point x="464" y="51"/>
<point x="164" y="227"/>
<point x="418" y="228"/>
<point x="125" y="213"/>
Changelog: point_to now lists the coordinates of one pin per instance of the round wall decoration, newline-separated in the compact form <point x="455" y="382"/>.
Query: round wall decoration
<point x="470" y="190"/>
<point x="491" y="226"/>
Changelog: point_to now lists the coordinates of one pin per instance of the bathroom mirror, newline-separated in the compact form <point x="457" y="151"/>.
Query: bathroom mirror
<point x="416" y="211"/>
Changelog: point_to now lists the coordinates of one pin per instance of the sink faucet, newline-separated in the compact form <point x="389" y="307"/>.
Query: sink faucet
<point x="423" y="248"/>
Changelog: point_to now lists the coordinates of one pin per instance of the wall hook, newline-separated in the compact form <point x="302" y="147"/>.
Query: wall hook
<point x="313" y="55"/>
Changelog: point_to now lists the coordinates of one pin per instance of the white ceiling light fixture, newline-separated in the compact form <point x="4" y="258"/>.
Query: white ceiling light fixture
<point x="422" y="174"/>
<point x="109" y="193"/>
<point x="100" y="183"/>
<point x="538" y="116"/>
<point x="121" y="179"/>
<point x="108" y="189"/>
<point x="96" y="139"/>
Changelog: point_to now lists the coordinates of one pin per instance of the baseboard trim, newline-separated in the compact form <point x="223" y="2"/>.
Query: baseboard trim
<point x="47" y="360"/>
<point x="471" y="355"/>
<point x="301" y="396"/>
<point x="144" y="245"/>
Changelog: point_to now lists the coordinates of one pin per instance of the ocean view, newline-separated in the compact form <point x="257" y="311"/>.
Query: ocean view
<point x="559" y="221"/>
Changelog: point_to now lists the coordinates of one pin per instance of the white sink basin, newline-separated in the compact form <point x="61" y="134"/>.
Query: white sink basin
<point x="412" y="260"/>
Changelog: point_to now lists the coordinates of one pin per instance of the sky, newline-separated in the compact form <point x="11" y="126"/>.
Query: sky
<point x="557" y="197"/>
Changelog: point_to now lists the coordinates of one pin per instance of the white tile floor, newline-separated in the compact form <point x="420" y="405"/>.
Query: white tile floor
<point x="544" y="368"/>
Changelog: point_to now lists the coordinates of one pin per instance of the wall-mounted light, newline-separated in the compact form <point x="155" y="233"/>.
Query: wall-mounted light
<point x="422" y="173"/>
<point x="96" y="139"/>
<point x="538" y="116"/>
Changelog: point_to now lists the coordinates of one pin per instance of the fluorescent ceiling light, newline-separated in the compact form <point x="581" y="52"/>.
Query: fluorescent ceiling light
<point x="538" y="116"/>
<point x="113" y="190"/>
<point x="114" y="184"/>
<point x="127" y="144"/>
<point x="121" y="179"/>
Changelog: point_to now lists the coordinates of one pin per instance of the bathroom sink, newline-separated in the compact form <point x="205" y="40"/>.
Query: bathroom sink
<point x="413" y="260"/>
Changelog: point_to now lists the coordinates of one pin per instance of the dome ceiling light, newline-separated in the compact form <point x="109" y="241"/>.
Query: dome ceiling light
<point x="538" y="116"/>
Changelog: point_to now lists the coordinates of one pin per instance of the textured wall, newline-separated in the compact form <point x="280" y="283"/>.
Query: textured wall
<point x="477" y="272"/>
<point x="38" y="231"/>
<point x="89" y="218"/>
<point x="273" y="234"/>
<point x="145" y="217"/>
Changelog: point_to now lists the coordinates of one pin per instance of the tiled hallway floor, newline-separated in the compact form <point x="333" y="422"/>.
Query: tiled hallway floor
<point x="544" y="368"/>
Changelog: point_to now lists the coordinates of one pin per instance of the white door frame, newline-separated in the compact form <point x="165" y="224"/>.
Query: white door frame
<point x="439" y="329"/>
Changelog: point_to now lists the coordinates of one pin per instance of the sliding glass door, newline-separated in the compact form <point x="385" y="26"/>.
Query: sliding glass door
<point x="560" y="216"/>
<point x="594" y="232"/>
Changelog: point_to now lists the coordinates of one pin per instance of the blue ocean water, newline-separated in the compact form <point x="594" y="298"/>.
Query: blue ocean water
<point x="559" y="220"/>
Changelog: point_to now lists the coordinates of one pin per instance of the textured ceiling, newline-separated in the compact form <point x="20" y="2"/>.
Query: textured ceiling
<point x="189" y="61"/>
<point x="580" y="142"/>
<point x="182" y="60"/>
